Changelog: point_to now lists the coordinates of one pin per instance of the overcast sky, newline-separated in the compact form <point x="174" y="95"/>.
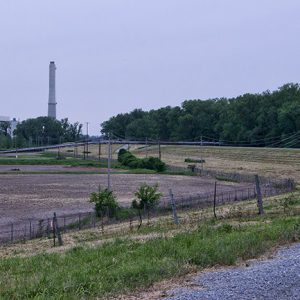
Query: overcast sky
<point x="116" y="55"/>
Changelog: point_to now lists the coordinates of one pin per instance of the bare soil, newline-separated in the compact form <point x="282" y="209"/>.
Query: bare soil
<point x="25" y="196"/>
<point x="52" y="168"/>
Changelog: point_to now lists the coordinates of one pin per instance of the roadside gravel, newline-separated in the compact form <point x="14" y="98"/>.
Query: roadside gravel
<point x="277" y="278"/>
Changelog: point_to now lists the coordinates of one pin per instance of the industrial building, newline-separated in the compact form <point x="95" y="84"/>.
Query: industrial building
<point x="12" y="124"/>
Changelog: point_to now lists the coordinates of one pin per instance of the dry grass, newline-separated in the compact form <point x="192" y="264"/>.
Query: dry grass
<point x="275" y="162"/>
<point x="236" y="215"/>
<point x="94" y="150"/>
<point x="264" y="161"/>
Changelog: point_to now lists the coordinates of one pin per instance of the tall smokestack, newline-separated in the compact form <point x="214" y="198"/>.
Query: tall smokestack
<point x="52" y="98"/>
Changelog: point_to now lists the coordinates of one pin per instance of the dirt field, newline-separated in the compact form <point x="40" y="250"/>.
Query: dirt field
<point x="24" y="196"/>
<point x="52" y="168"/>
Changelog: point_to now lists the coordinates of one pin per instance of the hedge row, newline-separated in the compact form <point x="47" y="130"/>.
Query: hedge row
<point x="127" y="159"/>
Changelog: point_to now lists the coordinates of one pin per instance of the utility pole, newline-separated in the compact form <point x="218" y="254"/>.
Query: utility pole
<point x="159" y="150"/>
<point x="201" y="156"/>
<point x="108" y="163"/>
<point x="16" y="145"/>
<point x="87" y="140"/>
<point x="146" y="147"/>
<point x="99" y="149"/>
<point x="83" y="150"/>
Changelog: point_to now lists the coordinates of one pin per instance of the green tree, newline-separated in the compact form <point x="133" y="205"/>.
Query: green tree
<point x="147" y="198"/>
<point x="45" y="130"/>
<point x="249" y="119"/>
<point x="4" y="127"/>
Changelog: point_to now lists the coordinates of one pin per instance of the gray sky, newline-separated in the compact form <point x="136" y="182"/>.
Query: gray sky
<point x="116" y="55"/>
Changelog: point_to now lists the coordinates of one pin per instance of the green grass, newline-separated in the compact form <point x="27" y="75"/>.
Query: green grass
<point x="124" y="266"/>
<point x="53" y="161"/>
<point x="223" y="178"/>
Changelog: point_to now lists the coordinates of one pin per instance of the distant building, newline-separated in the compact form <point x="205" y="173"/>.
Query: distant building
<point x="12" y="124"/>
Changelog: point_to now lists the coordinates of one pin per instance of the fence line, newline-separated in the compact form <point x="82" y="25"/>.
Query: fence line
<point x="228" y="176"/>
<point x="36" y="228"/>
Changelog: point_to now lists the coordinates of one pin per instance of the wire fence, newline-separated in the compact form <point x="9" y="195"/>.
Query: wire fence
<point x="226" y="176"/>
<point x="49" y="227"/>
<point x="272" y="188"/>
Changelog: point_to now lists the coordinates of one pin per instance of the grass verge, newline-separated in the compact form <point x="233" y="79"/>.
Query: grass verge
<point x="123" y="266"/>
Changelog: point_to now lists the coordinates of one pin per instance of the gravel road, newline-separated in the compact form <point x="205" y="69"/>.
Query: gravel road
<point x="277" y="278"/>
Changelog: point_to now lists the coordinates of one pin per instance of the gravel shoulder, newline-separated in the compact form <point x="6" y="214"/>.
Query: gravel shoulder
<point x="276" y="278"/>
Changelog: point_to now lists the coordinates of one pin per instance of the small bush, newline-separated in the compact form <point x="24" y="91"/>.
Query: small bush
<point x="105" y="203"/>
<point x="192" y="160"/>
<point x="147" y="197"/>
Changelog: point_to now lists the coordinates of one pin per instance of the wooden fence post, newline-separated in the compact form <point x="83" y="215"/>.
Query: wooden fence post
<point x="176" y="221"/>
<point x="30" y="236"/>
<point x="56" y="230"/>
<point x="25" y="232"/>
<point x="12" y="232"/>
<point x="259" y="196"/>
<point x="215" y="195"/>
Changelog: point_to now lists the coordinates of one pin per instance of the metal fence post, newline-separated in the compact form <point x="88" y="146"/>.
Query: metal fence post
<point x="54" y="230"/>
<point x="176" y="221"/>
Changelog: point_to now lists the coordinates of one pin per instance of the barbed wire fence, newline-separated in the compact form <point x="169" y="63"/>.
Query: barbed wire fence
<point x="56" y="225"/>
<point x="222" y="175"/>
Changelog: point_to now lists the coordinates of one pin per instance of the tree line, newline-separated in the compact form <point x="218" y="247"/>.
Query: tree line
<point x="265" y="119"/>
<point x="39" y="131"/>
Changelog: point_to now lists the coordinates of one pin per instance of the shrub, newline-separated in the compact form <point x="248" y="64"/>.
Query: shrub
<point x="105" y="203"/>
<point x="193" y="160"/>
<point x="147" y="197"/>
<point x="126" y="158"/>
